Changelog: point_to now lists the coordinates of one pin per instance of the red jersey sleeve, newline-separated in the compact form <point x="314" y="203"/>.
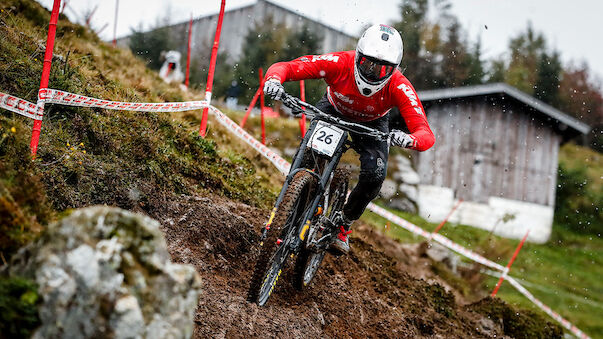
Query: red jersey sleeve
<point x="411" y="109"/>
<point x="327" y="66"/>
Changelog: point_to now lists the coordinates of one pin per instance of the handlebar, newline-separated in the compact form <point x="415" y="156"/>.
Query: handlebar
<point x="296" y="103"/>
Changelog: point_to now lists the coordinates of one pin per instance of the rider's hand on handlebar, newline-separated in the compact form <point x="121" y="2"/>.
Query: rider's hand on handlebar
<point x="401" y="139"/>
<point x="274" y="88"/>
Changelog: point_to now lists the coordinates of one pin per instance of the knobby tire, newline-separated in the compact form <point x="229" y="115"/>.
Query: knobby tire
<point x="273" y="256"/>
<point x="308" y="261"/>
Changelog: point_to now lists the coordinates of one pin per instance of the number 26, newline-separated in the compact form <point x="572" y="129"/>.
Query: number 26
<point x="324" y="137"/>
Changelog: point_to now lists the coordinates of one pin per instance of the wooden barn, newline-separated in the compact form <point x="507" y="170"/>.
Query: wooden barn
<point x="496" y="149"/>
<point x="239" y="21"/>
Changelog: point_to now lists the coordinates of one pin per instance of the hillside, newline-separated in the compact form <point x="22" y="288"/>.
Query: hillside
<point x="211" y="197"/>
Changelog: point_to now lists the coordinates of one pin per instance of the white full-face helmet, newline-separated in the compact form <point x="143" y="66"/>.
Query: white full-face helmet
<point x="378" y="53"/>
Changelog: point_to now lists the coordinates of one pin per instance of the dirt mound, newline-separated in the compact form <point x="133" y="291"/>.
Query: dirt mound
<point x="373" y="292"/>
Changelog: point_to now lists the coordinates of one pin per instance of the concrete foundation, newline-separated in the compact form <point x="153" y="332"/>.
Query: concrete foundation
<point x="507" y="218"/>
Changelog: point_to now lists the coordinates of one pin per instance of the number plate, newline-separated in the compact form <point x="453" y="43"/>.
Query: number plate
<point x="325" y="138"/>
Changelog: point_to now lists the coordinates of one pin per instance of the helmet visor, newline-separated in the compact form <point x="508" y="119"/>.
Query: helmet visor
<point x="373" y="70"/>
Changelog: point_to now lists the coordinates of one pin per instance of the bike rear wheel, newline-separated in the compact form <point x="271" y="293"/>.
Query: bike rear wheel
<point x="275" y="248"/>
<point x="309" y="260"/>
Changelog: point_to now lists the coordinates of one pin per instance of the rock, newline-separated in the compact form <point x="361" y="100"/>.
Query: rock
<point x="126" y="320"/>
<point x="405" y="173"/>
<point x="442" y="254"/>
<point x="403" y="204"/>
<point x="388" y="189"/>
<point x="106" y="272"/>
<point x="410" y="191"/>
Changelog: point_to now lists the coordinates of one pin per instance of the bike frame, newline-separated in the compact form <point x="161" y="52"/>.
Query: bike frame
<point x="324" y="178"/>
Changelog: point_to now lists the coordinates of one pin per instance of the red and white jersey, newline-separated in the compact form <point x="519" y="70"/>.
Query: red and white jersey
<point x="337" y="69"/>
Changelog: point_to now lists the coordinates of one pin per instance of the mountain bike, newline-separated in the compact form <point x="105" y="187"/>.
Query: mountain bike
<point x="301" y="223"/>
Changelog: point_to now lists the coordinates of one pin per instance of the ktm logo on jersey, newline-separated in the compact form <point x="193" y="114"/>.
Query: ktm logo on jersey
<point x="410" y="94"/>
<point x="327" y="57"/>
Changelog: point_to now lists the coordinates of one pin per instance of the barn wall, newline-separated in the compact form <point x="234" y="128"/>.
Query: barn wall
<point x="238" y="22"/>
<point x="489" y="147"/>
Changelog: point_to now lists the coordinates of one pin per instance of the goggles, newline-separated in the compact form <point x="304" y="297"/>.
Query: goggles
<point x="373" y="70"/>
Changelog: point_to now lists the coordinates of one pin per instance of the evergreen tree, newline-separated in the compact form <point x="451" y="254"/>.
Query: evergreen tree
<point x="456" y="61"/>
<point x="547" y="82"/>
<point x="304" y="42"/>
<point x="526" y="50"/>
<point x="149" y="45"/>
<point x="262" y="47"/>
<point x="436" y="54"/>
<point x="475" y="66"/>
<point x="413" y="20"/>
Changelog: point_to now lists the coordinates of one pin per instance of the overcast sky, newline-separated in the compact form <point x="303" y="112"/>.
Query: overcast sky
<point x="573" y="27"/>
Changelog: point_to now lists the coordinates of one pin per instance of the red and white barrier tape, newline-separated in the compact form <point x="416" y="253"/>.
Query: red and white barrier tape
<point x="565" y="323"/>
<point x="54" y="96"/>
<point x="436" y="237"/>
<point x="20" y="106"/>
<point x="281" y="164"/>
<point x="65" y="98"/>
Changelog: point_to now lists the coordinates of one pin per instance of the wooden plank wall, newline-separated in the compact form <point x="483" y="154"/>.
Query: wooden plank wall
<point x="491" y="147"/>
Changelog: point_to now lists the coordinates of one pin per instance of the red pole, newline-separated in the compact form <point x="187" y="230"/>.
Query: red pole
<point x="262" y="106"/>
<point x="502" y="277"/>
<point x="188" y="52"/>
<point x="446" y="219"/>
<point x="302" y="95"/>
<point x="52" y="29"/>
<point x="115" y="23"/>
<point x="253" y="101"/>
<point x="64" y="4"/>
<point x="212" y="67"/>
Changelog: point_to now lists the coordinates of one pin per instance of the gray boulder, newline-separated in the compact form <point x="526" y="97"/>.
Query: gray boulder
<point x="103" y="271"/>
<point x="400" y="188"/>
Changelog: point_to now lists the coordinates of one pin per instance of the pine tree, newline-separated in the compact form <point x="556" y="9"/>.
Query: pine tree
<point x="301" y="42"/>
<point x="547" y="82"/>
<point x="262" y="47"/>
<point x="526" y="50"/>
<point x="476" y="66"/>
<point x="149" y="45"/>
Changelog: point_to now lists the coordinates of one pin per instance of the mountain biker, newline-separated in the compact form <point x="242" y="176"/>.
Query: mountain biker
<point x="363" y="85"/>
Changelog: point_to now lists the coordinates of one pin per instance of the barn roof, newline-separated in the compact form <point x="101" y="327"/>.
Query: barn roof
<point x="273" y="4"/>
<point x="504" y="89"/>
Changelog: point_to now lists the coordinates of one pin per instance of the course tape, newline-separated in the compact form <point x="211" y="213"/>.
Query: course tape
<point x="281" y="164"/>
<point x="565" y="323"/>
<point x="54" y="96"/>
<point x="436" y="237"/>
<point x="47" y="95"/>
<point x="20" y="106"/>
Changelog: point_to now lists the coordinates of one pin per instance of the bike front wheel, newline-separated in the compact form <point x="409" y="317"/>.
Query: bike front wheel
<point x="309" y="259"/>
<point x="275" y="248"/>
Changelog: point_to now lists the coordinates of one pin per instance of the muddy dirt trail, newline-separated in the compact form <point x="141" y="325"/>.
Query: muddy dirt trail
<point x="369" y="293"/>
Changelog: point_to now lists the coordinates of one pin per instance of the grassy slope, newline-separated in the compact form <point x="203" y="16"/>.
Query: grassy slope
<point x="564" y="273"/>
<point x="89" y="156"/>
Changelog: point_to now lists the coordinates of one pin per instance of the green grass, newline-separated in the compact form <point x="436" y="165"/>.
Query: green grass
<point x="133" y="160"/>
<point x="566" y="273"/>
